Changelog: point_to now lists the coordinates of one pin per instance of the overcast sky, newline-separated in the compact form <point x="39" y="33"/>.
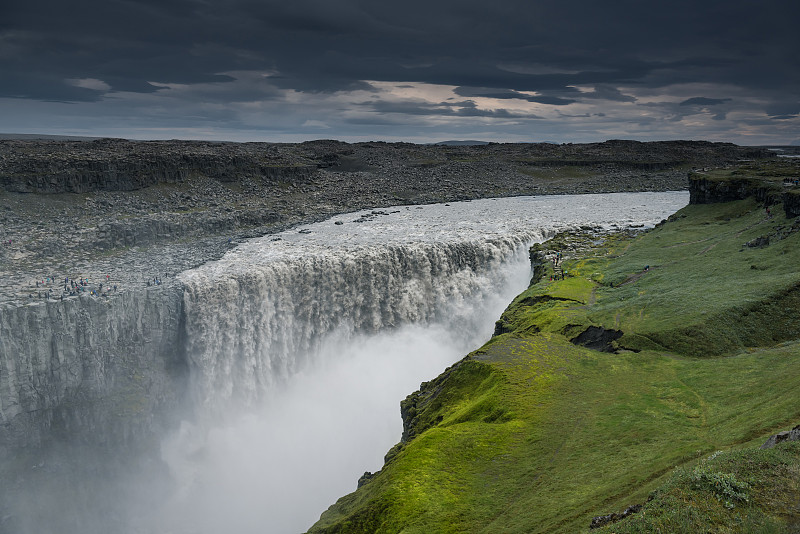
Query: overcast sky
<point x="416" y="70"/>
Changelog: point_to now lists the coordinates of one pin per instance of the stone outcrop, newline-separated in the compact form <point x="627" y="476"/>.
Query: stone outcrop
<point x="597" y="338"/>
<point x="539" y="264"/>
<point x="791" y="203"/>
<point x="704" y="189"/>
<point x="418" y="410"/>
<point x="120" y="165"/>
<point x="603" y="520"/>
<point x="102" y="370"/>
<point x="780" y="437"/>
<point x="759" y="242"/>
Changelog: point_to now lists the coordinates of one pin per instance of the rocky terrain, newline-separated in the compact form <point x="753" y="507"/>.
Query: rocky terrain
<point x="92" y="234"/>
<point x="128" y="213"/>
<point x="671" y="409"/>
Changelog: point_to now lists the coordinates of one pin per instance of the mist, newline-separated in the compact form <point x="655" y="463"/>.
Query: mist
<point x="299" y="349"/>
<point x="276" y="467"/>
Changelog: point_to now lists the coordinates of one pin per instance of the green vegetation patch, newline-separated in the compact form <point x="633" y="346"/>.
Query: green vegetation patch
<point x="534" y="434"/>
<point x="748" y="490"/>
<point x="694" y="286"/>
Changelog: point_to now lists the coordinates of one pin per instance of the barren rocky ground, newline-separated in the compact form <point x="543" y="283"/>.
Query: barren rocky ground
<point x="125" y="213"/>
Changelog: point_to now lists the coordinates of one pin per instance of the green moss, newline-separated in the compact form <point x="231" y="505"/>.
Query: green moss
<point x="533" y="434"/>
<point x="747" y="490"/>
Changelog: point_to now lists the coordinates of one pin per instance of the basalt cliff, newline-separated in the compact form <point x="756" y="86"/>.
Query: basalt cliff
<point x="138" y="213"/>
<point x="105" y="367"/>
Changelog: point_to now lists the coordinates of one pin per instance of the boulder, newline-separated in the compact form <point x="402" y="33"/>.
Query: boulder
<point x="780" y="437"/>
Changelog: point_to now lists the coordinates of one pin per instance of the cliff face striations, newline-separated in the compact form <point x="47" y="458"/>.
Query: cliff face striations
<point x="95" y="369"/>
<point x="769" y="182"/>
<point x="119" y="165"/>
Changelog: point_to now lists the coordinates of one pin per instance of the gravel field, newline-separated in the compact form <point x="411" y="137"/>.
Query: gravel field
<point x="129" y="213"/>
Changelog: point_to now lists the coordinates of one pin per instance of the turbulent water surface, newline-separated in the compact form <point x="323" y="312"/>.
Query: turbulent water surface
<point x="302" y="344"/>
<point x="300" y="347"/>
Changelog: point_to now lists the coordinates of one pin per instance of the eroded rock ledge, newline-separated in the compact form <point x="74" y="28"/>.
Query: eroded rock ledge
<point x="128" y="213"/>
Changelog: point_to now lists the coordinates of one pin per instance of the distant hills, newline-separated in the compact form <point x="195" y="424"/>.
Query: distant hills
<point x="461" y="143"/>
<point x="44" y="137"/>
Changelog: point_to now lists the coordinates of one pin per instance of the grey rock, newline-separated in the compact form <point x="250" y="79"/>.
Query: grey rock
<point x="780" y="437"/>
<point x="100" y="368"/>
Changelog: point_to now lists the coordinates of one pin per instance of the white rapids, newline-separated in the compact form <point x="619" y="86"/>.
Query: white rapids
<point x="302" y="344"/>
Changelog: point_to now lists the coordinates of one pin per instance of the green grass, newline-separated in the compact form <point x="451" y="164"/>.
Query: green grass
<point x="705" y="292"/>
<point x="771" y="170"/>
<point x="747" y="490"/>
<point x="532" y="433"/>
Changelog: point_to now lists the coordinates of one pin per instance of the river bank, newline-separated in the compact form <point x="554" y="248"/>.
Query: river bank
<point x="653" y="352"/>
<point x="128" y="213"/>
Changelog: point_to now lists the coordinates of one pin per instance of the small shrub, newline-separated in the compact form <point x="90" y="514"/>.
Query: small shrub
<point x="725" y="486"/>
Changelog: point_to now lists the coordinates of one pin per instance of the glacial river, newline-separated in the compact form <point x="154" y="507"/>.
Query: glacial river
<point x="302" y="344"/>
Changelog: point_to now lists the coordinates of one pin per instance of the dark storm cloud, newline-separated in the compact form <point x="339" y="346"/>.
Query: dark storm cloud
<point x="784" y="110"/>
<point x="511" y="94"/>
<point x="562" y="52"/>
<point x="40" y="86"/>
<point x="322" y="45"/>
<point x="703" y="101"/>
<point x="465" y="108"/>
<point x="551" y="100"/>
<point x="561" y="97"/>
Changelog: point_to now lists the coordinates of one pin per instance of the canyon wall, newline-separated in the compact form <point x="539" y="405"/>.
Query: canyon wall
<point x="109" y="370"/>
<point x="89" y="368"/>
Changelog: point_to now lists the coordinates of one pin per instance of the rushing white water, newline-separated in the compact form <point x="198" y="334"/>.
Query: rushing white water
<point x="301" y="345"/>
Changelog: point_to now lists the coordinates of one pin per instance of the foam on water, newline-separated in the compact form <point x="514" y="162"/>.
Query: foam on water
<point x="302" y="344"/>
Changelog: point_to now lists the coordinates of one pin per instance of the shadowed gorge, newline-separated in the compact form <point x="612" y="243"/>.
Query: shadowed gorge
<point x="196" y="380"/>
<point x="280" y="362"/>
<point x="531" y="433"/>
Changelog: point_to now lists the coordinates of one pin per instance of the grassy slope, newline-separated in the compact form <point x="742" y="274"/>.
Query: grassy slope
<point x="534" y="434"/>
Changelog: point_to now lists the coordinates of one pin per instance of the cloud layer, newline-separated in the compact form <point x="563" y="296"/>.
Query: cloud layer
<point x="517" y="70"/>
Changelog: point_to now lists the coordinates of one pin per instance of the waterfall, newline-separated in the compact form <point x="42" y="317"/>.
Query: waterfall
<point x="248" y="329"/>
<point x="301" y="345"/>
<point x="298" y="366"/>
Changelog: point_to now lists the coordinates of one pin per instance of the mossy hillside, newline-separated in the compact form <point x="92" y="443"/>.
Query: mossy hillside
<point x="748" y="490"/>
<point x="470" y="396"/>
<point x="691" y="286"/>
<point x="770" y="170"/>
<point x="583" y="433"/>
<point x="706" y="292"/>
